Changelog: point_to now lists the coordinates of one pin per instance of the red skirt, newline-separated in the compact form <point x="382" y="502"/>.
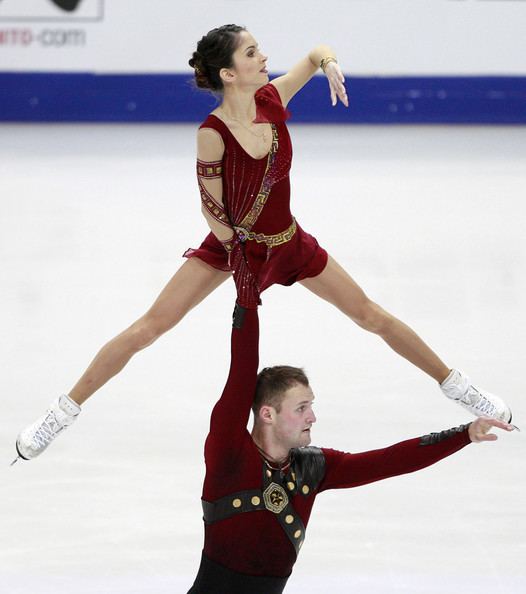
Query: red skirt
<point x="301" y="257"/>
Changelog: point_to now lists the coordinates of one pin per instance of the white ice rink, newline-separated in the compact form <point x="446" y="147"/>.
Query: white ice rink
<point x="431" y="221"/>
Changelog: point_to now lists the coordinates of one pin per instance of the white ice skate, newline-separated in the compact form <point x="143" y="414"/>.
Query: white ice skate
<point x="458" y="387"/>
<point x="35" y="438"/>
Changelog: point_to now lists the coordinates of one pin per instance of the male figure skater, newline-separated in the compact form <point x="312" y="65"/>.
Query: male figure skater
<point x="259" y="488"/>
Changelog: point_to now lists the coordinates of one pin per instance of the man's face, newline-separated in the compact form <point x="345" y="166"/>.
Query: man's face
<point x="292" y="424"/>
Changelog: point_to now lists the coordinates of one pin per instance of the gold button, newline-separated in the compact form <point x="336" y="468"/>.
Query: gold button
<point x="297" y="534"/>
<point x="236" y="503"/>
<point x="289" y="519"/>
<point x="256" y="500"/>
<point x="290" y="486"/>
<point x="305" y="489"/>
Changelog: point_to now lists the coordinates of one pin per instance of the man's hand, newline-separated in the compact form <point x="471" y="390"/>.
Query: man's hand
<point x="479" y="429"/>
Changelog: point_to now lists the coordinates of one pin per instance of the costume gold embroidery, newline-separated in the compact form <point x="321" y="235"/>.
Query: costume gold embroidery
<point x="270" y="240"/>
<point x="211" y="170"/>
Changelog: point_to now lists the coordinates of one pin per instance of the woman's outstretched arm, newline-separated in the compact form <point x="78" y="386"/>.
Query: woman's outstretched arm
<point x="322" y="56"/>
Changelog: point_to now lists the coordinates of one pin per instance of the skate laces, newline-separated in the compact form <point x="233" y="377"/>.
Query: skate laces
<point x="482" y="404"/>
<point x="47" y="430"/>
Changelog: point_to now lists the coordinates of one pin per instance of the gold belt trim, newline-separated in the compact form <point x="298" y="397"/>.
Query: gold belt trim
<point x="270" y="240"/>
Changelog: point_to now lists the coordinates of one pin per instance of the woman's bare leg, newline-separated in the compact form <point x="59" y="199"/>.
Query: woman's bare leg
<point x="188" y="287"/>
<point x="337" y="287"/>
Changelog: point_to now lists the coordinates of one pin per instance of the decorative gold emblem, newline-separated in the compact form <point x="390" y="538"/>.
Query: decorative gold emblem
<point x="305" y="489"/>
<point x="275" y="498"/>
<point x="289" y="519"/>
<point x="256" y="500"/>
<point x="236" y="503"/>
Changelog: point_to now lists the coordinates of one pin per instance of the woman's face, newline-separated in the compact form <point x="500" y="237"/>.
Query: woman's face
<point x="249" y="63"/>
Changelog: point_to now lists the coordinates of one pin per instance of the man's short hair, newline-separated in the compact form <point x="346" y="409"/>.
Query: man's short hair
<point x="273" y="382"/>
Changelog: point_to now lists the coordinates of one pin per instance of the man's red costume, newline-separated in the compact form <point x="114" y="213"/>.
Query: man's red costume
<point x="255" y="516"/>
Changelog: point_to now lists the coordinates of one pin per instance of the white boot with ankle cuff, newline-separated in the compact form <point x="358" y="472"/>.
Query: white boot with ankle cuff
<point x="458" y="387"/>
<point x="35" y="438"/>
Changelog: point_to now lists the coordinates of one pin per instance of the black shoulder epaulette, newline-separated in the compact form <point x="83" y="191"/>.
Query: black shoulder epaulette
<point x="309" y="465"/>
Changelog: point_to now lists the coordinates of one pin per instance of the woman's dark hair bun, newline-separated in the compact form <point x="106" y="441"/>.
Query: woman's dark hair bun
<point x="201" y="78"/>
<point x="214" y="51"/>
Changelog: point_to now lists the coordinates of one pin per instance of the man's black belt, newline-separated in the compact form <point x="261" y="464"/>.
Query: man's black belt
<point x="213" y="578"/>
<point x="250" y="501"/>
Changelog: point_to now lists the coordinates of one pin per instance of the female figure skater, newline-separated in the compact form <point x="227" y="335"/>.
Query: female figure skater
<point x="243" y="161"/>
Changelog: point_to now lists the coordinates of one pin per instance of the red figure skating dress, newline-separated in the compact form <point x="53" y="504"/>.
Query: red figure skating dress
<point x="256" y="204"/>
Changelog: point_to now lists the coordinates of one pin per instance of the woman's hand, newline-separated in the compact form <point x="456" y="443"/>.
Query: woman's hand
<point x="336" y="79"/>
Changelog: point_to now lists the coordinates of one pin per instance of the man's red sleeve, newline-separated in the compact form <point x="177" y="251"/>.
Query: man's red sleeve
<point x="228" y="423"/>
<point x="351" y="470"/>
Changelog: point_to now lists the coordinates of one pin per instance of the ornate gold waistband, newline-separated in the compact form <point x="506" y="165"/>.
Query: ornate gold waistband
<point x="269" y="240"/>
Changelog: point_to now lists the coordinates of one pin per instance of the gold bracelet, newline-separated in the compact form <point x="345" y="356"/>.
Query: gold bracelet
<point x="327" y="60"/>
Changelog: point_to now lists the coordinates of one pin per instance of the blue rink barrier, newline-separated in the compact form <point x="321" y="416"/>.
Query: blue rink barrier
<point x="87" y="97"/>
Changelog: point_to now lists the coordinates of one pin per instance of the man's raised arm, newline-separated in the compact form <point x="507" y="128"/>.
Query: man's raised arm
<point x="228" y="424"/>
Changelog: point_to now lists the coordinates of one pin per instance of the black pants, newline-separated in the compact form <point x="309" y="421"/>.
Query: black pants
<point x="213" y="578"/>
